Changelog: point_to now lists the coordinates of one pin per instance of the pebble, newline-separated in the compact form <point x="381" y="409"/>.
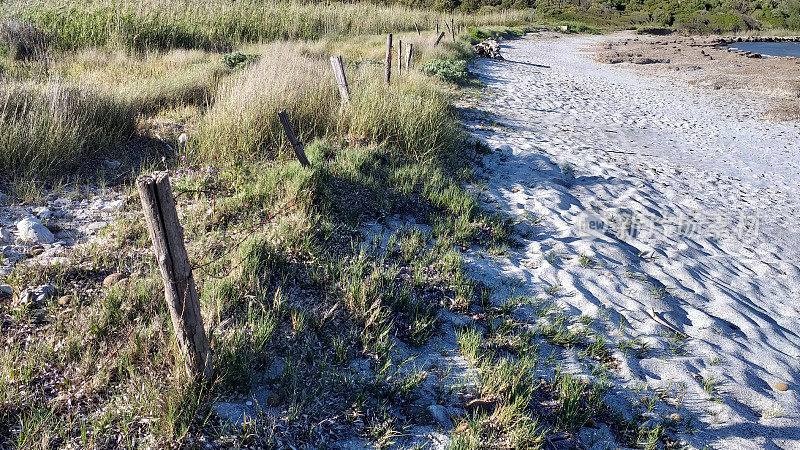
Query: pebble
<point x="441" y="415"/>
<point x="480" y="406"/>
<point x="112" y="165"/>
<point x="36" y="250"/>
<point x="113" y="279"/>
<point x="675" y="417"/>
<point x="781" y="386"/>
<point x="65" y="300"/>
<point x="5" y="235"/>
<point x="6" y="292"/>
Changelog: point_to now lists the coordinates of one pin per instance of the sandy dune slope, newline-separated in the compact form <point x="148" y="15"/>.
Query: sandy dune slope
<point x="684" y="204"/>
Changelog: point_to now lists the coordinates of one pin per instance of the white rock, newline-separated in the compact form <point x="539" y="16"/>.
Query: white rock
<point x="44" y="213"/>
<point x="30" y="229"/>
<point x="182" y="139"/>
<point x="114" y="206"/>
<point x="441" y="415"/>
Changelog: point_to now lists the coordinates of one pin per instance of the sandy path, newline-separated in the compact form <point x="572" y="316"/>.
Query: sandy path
<point x="713" y="193"/>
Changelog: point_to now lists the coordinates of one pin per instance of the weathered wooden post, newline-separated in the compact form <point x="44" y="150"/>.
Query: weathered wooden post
<point x="399" y="57"/>
<point x="341" y="80"/>
<point x="299" y="151"/>
<point x="438" y="39"/>
<point x="408" y="58"/>
<point x="417" y="28"/>
<point x="158" y="206"/>
<point x="388" y="60"/>
<point x="453" y="28"/>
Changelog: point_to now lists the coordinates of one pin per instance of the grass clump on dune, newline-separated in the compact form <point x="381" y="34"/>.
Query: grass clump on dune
<point x="57" y="124"/>
<point x="409" y="116"/>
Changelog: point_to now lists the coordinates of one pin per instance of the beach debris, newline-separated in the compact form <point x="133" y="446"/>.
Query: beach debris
<point x="488" y="49"/>
<point x="664" y="323"/>
<point x="781" y="386"/>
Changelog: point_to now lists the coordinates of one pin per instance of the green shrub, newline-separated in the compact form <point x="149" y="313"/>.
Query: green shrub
<point x="451" y="71"/>
<point x="238" y="60"/>
<point x="478" y="35"/>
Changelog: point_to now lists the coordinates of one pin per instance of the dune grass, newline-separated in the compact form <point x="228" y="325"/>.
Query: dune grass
<point x="55" y="125"/>
<point x="220" y="25"/>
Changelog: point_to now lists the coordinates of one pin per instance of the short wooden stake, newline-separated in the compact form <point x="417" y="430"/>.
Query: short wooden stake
<point x="388" y="78"/>
<point x="453" y="28"/>
<point x="341" y="80"/>
<point x="438" y="39"/>
<point x="399" y="57"/>
<point x="417" y="28"/>
<point x="296" y="145"/>
<point x="158" y="206"/>
<point x="408" y="58"/>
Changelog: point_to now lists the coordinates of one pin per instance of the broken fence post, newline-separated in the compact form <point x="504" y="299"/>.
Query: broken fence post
<point x="399" y="57"/>
<point x="408" y="58"/>
<point x="438" y="39"/>
<point x="388" y="74"/>
<point x="341" y="80"/>
<point x="158" y="206"/>
<point x="296" y="145"/>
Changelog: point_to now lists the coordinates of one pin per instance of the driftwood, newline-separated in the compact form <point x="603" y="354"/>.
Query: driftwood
<point x="488" y="49"/>
<point x="183" y="302"/>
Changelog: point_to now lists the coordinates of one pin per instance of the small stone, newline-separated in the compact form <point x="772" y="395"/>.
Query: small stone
<point x="5" y="235"/>
<point x="781" y="386"/>
<point x="441" y="416"/>
<point x="113" y="279"/>
<point x="114" y="206"/>
<point x="30" y="229"/>
<point x="515" y="190"/>
<point x="675" y="417"/>
<point x="112" y="165"/>
<point x="36" y="250"/>
<point x="6" y="292"/>
<point x="65" y="300"/>
<point x="44" y="213"/>
<point x="182" y="139"/>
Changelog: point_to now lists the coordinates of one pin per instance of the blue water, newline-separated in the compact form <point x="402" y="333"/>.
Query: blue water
<point x="769" y="48"/>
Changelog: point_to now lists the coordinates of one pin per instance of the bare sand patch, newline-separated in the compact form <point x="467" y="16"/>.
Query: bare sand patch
<point x="706" y="62"/>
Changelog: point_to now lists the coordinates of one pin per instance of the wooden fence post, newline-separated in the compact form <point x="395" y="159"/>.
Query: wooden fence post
<point x="296" y="144"/>
<point x="388" y="59"/>
<point x="341" y="80"/>
<point x="438" y="39"/>
<point x="408" y="58"/>
<point x="399" y="57"/>
<point x="453" y="28"/>
<point x="183" y="303"/>
<point x="417" y="28"/>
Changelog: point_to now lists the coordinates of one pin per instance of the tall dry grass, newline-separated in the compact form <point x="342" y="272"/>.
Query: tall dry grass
<point x="411" y="115"/>
<point x="54" y="125"/>
<point x="222" y="24"/>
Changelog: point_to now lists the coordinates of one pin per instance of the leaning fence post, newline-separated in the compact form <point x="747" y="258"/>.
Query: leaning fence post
<point x="417" y="28"/>
<point x="408" y="58"/>
<point x="341" y="80"/>
<point x="399" y="57"/>
<point x="180" y="293"/>
<point x="296" y="144"/>
<point x="388" y="59"/>
<point x="438" y="39"/>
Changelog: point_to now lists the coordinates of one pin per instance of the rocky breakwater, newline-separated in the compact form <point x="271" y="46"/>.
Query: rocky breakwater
<point x="43" y="233"/>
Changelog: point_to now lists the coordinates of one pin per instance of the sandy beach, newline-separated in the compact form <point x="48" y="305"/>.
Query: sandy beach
<point x="667" y="212"/>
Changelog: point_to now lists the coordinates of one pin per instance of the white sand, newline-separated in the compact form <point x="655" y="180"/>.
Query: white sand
<point x="582" y="139"/>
